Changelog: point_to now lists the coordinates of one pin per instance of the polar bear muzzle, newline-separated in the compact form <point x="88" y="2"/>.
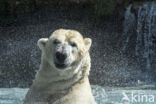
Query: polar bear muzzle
<point x="62" y="56"/>
<point x="60" y="60"/>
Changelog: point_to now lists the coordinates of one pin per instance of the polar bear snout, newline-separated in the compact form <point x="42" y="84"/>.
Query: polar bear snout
<point x="61" y="57"/>
<point x="61" y="60"/>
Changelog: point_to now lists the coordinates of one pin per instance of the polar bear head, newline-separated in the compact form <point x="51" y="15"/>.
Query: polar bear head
<point x="64" y="48"/>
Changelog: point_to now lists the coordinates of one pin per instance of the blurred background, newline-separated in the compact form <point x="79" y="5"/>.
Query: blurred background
<point x="123" y="51"/>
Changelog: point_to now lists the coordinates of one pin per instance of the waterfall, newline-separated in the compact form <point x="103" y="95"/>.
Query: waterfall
<point x="144" y="25"/>
<point x="128" y="27"/>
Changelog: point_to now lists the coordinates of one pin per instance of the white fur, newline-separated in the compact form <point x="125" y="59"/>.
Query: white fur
<point x="68" y="86"/>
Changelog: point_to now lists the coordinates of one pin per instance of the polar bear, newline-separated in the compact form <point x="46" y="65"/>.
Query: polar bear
<point x="64" y="70"/>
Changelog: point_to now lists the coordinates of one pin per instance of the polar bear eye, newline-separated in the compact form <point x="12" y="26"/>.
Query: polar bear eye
<point x="56" y="41"/>
<point x="73" y="44"/>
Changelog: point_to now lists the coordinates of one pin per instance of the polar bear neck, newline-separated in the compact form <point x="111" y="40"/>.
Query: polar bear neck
<point x="54" y="82"/>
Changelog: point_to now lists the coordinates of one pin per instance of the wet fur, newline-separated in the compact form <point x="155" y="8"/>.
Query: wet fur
<point x="71" y="86"/>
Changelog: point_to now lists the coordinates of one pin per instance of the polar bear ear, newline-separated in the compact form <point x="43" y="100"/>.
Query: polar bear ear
<point x="88" y="43"/>
<point x="42" y="42"/>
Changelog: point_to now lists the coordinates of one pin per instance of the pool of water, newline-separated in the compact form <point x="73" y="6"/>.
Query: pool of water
<point x="102" y="95"/>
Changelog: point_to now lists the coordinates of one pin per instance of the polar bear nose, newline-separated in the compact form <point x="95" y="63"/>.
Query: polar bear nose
<point x="61" y="56"/>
